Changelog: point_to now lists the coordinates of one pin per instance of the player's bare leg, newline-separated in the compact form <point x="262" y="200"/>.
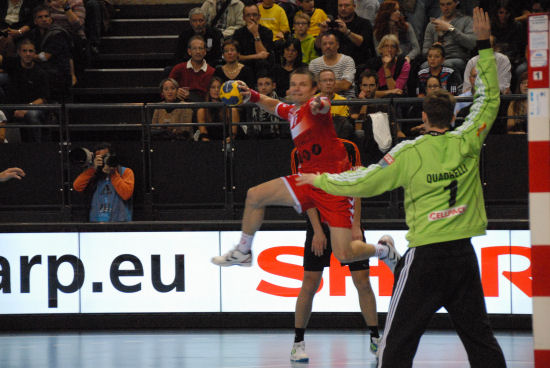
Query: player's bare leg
<point x="304" y="303"/>
<point x="270" y="193"/>
<point x="367" y="303"/>
<point x="348" y="251"/>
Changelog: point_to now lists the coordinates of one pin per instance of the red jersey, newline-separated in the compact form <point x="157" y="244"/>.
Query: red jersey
<point x="318" y="147"/>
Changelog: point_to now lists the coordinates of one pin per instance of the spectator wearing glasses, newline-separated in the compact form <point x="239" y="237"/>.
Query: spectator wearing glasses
<point x="256" y="41"/>
<point x="391" y="66"/>
<point x="307" y="41"/>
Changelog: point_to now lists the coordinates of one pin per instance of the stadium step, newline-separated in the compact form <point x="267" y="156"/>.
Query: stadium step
<point x="139" y="77"/>
<point x="146" y="26"/>
<point x="138" y="44"/>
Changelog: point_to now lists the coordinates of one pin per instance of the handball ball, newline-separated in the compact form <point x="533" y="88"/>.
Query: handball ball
<point x="230" y="94"/>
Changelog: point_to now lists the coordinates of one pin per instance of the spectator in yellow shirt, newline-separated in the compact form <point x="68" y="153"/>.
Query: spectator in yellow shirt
<point x="272" y="16"/>
<point x="316" y="15"/>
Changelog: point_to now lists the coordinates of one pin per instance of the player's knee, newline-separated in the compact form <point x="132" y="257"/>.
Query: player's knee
<point x="253" y="197"/>
<point x="362" y="284"/>
<point x="343" y="255"/>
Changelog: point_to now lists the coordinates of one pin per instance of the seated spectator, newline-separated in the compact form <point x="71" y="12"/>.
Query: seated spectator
<point x="503" y="69"/>
<point x="169" y="91"/>
<point x="15" y="21"/>
<point x="307" y="41"/>
<point x="446" y="76"/>
<point x="354" y="33"/>
<point x="517" y="108"/>
<point x="454" y="31"/>
<point x="197" y="26"/>
<point x="391" y="66"/>
<point x="316" y="16"/>
<point x="71" y="15"/>
<point x="194" y="74"/>
<point x="28" y="84"/>
<point x="272" y="16"/>
<point x="255" y="40"/>
<point x="290" y="61"/>
<point x="509" y="35"/>
<point x="373" y="134"/>
<point x="108" y="187"/>
<point x="53" y="48"/>
<point x="340" y="113"/>
<point x="207" y="116"/>
<point x="368" y="85"/>
<point x="233" y="69"/>
<point x="462" y="109"/>
<point x="225" y="15"/>
<point x="266" y="86"/>
<point x="432" y="84"/>
<point x="342" y="65"/>
<point x="389" y="20"/>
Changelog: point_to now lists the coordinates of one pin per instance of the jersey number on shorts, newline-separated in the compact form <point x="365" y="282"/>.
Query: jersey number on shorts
<point x="453" y="189"/>
<point x="305" y="155"/>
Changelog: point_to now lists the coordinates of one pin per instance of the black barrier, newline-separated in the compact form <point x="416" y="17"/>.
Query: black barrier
<point x="175" y="180"/>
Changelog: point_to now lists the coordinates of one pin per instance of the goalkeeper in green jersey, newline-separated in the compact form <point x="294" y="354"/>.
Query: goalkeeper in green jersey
<point x="444" y="208"/>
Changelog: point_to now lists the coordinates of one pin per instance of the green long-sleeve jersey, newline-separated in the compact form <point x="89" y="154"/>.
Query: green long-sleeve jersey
<point x="439" y="173"/>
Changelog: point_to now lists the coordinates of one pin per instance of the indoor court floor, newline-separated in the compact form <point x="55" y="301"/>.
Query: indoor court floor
<point x="233" y="349"/>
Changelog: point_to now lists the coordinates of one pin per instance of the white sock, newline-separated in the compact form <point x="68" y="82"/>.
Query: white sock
<point x="245" y="244"/>
<point x="380" y="251"/>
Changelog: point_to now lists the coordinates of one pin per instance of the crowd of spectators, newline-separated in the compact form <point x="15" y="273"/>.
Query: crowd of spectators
<point x="408" y="47"/>
<point x="45" y="45"/>
<point x="363" y="48"/>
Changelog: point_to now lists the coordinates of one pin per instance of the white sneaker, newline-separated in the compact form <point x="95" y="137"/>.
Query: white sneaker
<point x="374" y="345"/>
<point x="233" y="258"/>
<point x="298" y="353"/>
<point x="393" y="256"/>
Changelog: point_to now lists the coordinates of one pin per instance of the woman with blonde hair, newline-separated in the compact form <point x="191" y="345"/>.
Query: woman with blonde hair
<point x="391" y="66"/>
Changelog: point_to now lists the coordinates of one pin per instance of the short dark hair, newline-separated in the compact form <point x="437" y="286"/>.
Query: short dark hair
<point x="439" y="106"/>
<point x="330" y="33"/>
<point x="25" y="41"/>
<point x="263" y="73"/>
<point x="437" y="46"/>
<point x="248" y="4"/>
<point x="195" y="37"/>
<point x="38" y="9"/>
<point x="304" y="70"/>
<point x="103" y="145"/>
<point x="231" y="41"/>
<point x="367" y="73"/>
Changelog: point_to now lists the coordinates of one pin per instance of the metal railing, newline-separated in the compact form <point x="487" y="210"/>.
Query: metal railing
<point x="73" y="124"/>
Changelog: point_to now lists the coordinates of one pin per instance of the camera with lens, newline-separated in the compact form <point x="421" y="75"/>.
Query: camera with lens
<point x="83" y="157"/>
<point x="332" y="24"/>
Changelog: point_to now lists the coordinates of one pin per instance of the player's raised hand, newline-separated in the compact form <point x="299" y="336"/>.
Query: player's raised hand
<point x="482" y="24"/>
<point x="306" y="179"/>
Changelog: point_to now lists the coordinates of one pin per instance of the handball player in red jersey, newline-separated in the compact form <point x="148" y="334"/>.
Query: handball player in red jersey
<point x="319" y="150"/>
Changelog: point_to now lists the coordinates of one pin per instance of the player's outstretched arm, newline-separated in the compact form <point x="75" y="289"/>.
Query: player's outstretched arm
<point x="267" y="103"/>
